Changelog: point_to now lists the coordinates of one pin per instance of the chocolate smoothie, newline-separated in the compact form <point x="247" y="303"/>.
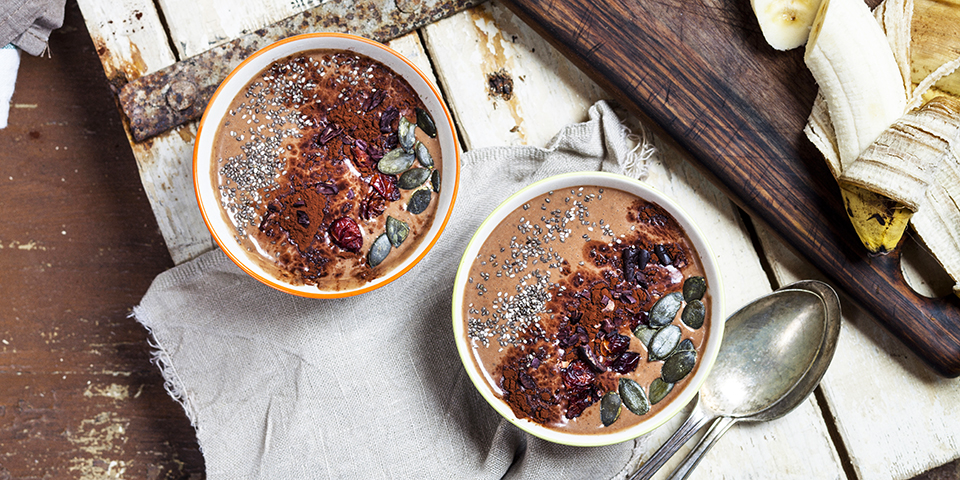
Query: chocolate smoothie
<point x="328" y="168"/>
<point x="578" y="294"/>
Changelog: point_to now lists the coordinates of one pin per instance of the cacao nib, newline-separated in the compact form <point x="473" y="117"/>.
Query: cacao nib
<point x="629" y="261"/>
<point x="585" y="352"/>
<point x="527" y="381"/>
<point x="373" y="100"/>
<point x="327" y="188"/>
<point x="642" y="259"/>
<point x="662" y="255"/>
<point x="303" y="219"/>
<point x="387" y="119"/>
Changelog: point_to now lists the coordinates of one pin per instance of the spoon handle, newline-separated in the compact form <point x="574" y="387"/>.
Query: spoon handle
<point x="697" y="419"/>
<point x="692" y="459"/>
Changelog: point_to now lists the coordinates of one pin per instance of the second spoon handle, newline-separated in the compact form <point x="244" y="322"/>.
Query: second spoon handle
<point x="692" y="459"/>
<point x="697" y="419"/>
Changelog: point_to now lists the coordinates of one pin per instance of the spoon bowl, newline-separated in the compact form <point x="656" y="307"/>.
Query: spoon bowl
<point x="773" y="355"/>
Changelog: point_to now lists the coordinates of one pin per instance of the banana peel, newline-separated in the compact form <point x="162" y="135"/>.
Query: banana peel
<point x="879" y="221"/>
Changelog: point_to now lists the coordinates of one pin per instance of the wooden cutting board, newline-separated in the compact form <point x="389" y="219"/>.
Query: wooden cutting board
<point x="702" y="72"/>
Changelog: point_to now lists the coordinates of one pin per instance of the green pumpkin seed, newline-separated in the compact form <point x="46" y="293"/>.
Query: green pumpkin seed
<point x="397" y="231"/>
<point x="678" y="366"/>
<point x="395" y="162"/>
<point x="413" y="178"/>
<point x="645" y="334"/>
<point x="435" y="180"/>
<point x="659" y="389"/>
<point x="378" y="251"/>
<point x="693" y="314"/>
<point x="407" y="134"/>
<point x="686" y="346"/>
<point x="419" y="201"/>
<point x="425" y="122"/>
<point x="633" y="397"/>
<point x="423" y="154"/>
<point x="694" y="288"/>
<point x="665" y="309"/>
<point x="664" y="342"/>
<point x="610" y="408"/>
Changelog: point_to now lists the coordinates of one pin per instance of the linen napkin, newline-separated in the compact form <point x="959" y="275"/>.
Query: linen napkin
<point x="371" y="386"/>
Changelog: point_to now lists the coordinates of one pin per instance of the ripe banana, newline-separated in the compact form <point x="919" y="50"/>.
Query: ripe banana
<point x="934" y="41"/>
<point x="858" y="76"/>
<point x="785" y="23"/>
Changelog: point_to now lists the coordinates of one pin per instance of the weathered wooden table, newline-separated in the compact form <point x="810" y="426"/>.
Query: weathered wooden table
<point x="879" y="413"/>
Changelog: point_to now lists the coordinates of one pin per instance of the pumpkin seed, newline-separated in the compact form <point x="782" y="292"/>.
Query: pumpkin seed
<point x="664" y="342"/>
<point x="413" y="178"/>
<point x="645" y="333"/>
<point x="686" y="346"/>
<point x="435" y="180"/>
<point x="379" y="250"/>
<point x="395" y="162"/>
<point x="419" y="201"/>
<point x="423" y="154"/>
<point x="633" y="396"/>
<point x="397" y="231"/>
<point x="693" y="314"/>
<point x="659" y="389"/>
<point x="425" y="122"/>
<point x="610" y="408"/>
<point x="678" y="366"/>
<point x="665" y="309"/>
<point x="694" y="288"/>
<point x="406" y="133"/>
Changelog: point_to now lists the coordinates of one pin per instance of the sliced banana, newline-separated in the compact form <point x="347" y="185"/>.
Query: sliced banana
<point x="785" y="23"/>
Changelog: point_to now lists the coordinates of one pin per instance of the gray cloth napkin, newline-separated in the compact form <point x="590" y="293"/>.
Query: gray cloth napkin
<point x="28" y="23"/>
<point x="371" y="386"/>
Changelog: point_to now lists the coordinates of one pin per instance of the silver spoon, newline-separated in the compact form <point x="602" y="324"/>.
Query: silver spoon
<point x="792" y="399"/>
<point x="769" y="347"/>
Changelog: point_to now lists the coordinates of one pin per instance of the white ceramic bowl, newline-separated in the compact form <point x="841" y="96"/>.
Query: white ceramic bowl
<point x="207" y="197"/>
<point x="706" y="356"/>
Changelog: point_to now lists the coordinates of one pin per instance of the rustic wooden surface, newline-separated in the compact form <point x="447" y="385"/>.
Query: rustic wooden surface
<point x="667" y="61"/>
<point x="79" y="246"/>
<point x="880" y="413"/>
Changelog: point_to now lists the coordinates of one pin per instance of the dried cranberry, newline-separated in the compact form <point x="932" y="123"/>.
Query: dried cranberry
<point x="579" y="399"/>
<point x="386" y="186"/>
<point x="360" y="156"/>
<point x="626" y="363"/>
<point x="638" y="319"/>
<point x="346" y="234"/>
<point x="608" y="325"/>
<point x="613" y="344"/>
<point x="578" y="374"/>
<point x="373" y="206"/>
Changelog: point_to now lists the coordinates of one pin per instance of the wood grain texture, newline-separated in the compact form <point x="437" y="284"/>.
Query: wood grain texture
<point x="79" y="396"/>
<point x="702" y="72"/>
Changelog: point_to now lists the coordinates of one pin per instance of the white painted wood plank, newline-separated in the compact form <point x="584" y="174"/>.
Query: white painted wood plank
<point x="897" y="418"/>
<point x="196" y="26"/>
<point x="128" y="35"/>
<point x="473" y="44"/>
<point x="131" y="42"/>
<point x="549" y="93"/>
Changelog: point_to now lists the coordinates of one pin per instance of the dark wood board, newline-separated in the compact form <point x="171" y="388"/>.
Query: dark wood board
<point x="702" y="72"/>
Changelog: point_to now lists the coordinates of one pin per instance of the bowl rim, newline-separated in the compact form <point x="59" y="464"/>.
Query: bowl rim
<point x="314" y="292"/>
<point x="711" y="271"/>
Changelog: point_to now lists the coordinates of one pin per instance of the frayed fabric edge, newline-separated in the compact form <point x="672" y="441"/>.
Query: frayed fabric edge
<point x="171" y="379"/>
<point x="636" y="163"/>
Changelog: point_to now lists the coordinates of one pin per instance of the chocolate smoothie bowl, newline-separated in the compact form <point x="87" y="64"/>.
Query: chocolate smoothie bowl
<point x="588" y="309"/>
<point x="326" y="165"/>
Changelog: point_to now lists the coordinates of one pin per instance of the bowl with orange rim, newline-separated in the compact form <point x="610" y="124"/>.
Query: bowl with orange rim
<point x="326" y="165"/>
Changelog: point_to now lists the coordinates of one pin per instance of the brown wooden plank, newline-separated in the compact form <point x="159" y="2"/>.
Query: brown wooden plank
<point x="79" y="396"/>
<point x="702" y="72"/>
